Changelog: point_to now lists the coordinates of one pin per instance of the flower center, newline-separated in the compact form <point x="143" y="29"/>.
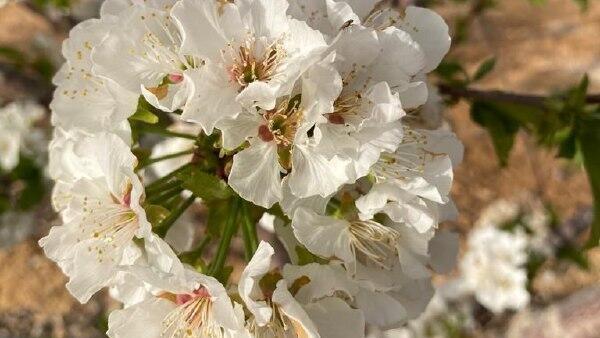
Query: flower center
<point x="254" y="61"/>
<point x="373" y="242"/>
<point x="346" y="108"/>
<point x="192" y="318"/>
<point x="282" y="123"/>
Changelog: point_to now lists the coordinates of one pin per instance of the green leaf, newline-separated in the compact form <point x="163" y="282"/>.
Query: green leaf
<point x="204" y="185"/>
<point x="13" y="55"/>
<point x="584" y="4"/>
<point x="142" y="154"/>
<point x="535" y="261"/>
<point x="485" y="68"/>
<point x="589" y="140"/>
<point x="571" y="253"/>
<point x="31" y="177"/>
<point x="156" y="213"/>
<point x="4" y="204"/>
<point x="568" y="147"/>
<point x="144" y="112"/>
<point x="453" y="72"/>
<point x="501" y="126"/>
<point x="44" y="67"/>
<point x="576" y="96"/>
<point x="538" y="2"/>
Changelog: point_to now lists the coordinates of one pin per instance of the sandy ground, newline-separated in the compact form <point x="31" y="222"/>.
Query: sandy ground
<point x="539" y="49"/>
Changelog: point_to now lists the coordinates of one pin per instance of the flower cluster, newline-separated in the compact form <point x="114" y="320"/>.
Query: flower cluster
<point x="312" y="108"/>
<point x="494" y="268"/>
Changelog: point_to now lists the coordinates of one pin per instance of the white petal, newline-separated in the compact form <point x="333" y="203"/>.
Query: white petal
<point x="443" y="249"/>
<point x="356" y="46"/>
<point x="413" y="94"/>
<point x="335" y="319"/>
<point x="258" y="94"/>
<point x="314" y="174"/>
<point x="415" y="295"/>
<point x="380" y="309"/>
<point x="211" y="98"/>
<point x="265" y="17"/>
<point x="142" y="320"/>
<point x="249" y="287"/>
<point x="90" y="273"/>
<point x="430" y="31"/>
<point x="255" y="174"/>
<point x="339" y="12"/>
<point x="235" y="131"/>
<point x="290" y="202"/>
<point x="147" y="50"/>
<point x="397" y="45"/>
<point x="161" y="256"/>
<point x="206" y="26"/>
<point x="302" y="324"/>
<point x="323" y="235"/>
<point x="321" y="85"/>
<point x="222" y="307"/>
<point x="325" y="281"/>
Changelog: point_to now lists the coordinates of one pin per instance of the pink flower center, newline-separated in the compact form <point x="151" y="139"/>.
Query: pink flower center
<point x="175" y="78"/>
<point x="265" y="133"/>
<point x="127" y="199"/>
<point x="187" y="297"/>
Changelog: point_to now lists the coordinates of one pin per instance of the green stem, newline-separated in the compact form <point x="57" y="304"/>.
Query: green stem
<point x="165" y="195"/>
<point x="168" y="133"/>
<point x="249" y="233"/>
<point x="230" y="229"/>
<point x="151" y="161"/>
<point x="156" y="185"/>
<point x="192" y="256"/>
<point x="164" y="187"/>
<point x="164" y="226"/>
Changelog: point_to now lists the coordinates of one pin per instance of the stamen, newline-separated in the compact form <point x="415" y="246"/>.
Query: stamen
<point x="410" y="157"/>
<point x="192" y="318"/>
<point x="282" y="123"/>
<point x="346" y="108"/>
<point x="373" y="242"/>
<point x="252" y="62"/>
<point x="113" y="224"/>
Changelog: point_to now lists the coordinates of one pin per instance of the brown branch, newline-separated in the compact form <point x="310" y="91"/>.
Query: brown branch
<point x="503" y="96"/>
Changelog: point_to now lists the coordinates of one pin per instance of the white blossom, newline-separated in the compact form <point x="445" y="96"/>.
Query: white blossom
<point x="252" y="54"/>
<point x="413" y="183"/>
<point x="197" y="306"/>
<point x="102" y="215"/>
<point x="493" y="270"/>
<point x="18" y="133"/>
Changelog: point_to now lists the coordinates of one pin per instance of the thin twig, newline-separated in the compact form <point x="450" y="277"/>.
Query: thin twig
<point x="504" y="96"/>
